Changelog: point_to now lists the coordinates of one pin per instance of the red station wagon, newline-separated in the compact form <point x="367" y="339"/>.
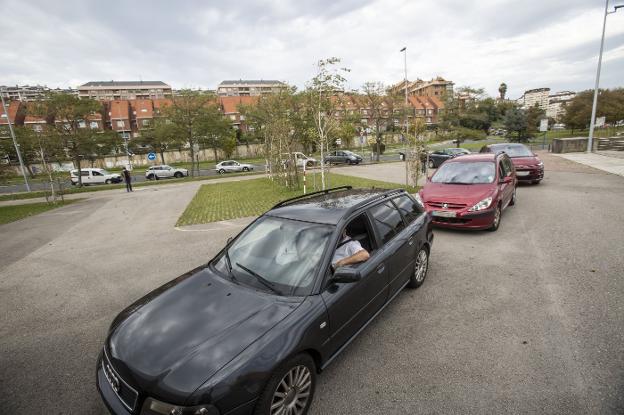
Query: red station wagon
<point x="471" y="191"/>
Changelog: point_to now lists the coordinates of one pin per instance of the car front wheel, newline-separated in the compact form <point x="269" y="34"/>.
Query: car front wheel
<point x="420" y="268"/>
<point x="290" y="389"/>
<point x="178" y="175"/>
<point x="431" y="164"/>
<point x="221" y="171"/>
<point x="514" y="197"/>
<point x="245" y="168"/>
<point x="497" y="219"/>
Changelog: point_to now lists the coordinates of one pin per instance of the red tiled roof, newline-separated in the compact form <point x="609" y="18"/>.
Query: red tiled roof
<point x="142" y="108"/>
<point x="230" y="104"/>
<point x="13" y="109"/>
<point x="119" y="110"/>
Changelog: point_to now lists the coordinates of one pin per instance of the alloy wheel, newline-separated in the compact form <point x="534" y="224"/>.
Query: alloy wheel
<point x="497" y="215"/>
<point x="293" y="392"/>
<point x="420" y="270"/>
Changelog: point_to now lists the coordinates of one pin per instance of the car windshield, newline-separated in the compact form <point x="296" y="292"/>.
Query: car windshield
<point x="513" y="150"/>
<point x="284" y="253"/>
<point x="456" y="150"/>
<point x="465" y="173"/>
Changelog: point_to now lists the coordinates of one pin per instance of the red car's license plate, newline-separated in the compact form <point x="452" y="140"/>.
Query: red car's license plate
<point x="444" y="213"/>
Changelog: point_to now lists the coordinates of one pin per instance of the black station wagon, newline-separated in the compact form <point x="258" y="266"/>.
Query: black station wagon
<point x="248" y="332"/>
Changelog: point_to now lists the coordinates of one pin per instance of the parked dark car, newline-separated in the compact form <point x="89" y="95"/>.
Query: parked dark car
<point x="249" y="331"/>
<point x="529" y="167"/>
<point x="343" y="156"/>
<point x="440" y="156"/>
<point x="471" y="191"/>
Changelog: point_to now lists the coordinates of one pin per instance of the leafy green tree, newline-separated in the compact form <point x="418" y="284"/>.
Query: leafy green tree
<point x="516" y="121"/>
<point x="216" y="132"/>
<point x="610" y="105"/>
<point x="374" y="103"/>
<point x="163" y="135"/>
<point x="69" y="115"/>
<point x="533" y="115"/>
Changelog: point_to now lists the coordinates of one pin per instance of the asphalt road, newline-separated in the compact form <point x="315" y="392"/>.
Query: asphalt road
<point x="529" y="319"/>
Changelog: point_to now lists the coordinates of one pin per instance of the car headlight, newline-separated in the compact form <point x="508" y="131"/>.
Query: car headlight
<point x="540" y="164"/>
<point x="484" y="204"/>
<point x="155" y="407"/>
<point x="419" y="200"/>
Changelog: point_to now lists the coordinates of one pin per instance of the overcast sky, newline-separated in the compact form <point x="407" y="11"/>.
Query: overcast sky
<point x="191" y="44"/>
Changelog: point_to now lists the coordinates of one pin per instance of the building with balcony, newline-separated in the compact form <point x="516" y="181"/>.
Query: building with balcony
<point x="26" y="93"/>
<point x="436" y="87"/>
<point x="249" y="87"/>
<point x="537" y="96"/>
<point x="124" y="90"/>
<point x="557" y="103"/>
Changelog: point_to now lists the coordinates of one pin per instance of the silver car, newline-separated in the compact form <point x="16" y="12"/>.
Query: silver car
<point x="165" y="171"/>
<point x="231" y="166"/>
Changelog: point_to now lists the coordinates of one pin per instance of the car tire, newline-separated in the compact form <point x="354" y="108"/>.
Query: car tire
<point x="536" y="181"/>
<point x="221" y="171"/>
<point x="295" y="377"/>
<point x="497" y="219"/>
<point x="421" y="266"/>
<point x="514" y="197"/>
<point x="178" y="175"/>
<point x="150" y="177"/>
<point x="107" y="181"/>
<point x="245" y="168"/>
<point x="431" y="164"/>
<point x="309" y="164"/>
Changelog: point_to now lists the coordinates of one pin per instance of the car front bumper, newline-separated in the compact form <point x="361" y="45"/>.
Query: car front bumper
<point x="529" y="175"/>
<point x="466" y="220"/>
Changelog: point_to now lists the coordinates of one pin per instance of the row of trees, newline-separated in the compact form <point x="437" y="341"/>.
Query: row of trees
<point x="191" y="121"/>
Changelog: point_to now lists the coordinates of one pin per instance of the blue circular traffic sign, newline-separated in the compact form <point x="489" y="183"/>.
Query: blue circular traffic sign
<point x="151" y="156"/>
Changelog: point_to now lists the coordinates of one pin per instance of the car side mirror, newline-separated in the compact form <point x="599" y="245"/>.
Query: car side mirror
<point x="346" y="275"/>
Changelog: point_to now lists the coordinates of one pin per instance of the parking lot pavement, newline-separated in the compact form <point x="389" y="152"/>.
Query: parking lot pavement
<point x="611" y="162"/>
<point x="529" y="319"/>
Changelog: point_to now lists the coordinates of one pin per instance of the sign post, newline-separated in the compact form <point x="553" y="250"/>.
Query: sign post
<point x="544" y="128"/>
<point x="152" y="157"/>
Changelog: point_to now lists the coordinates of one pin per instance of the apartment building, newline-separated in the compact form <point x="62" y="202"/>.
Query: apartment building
<point x="26" y="93"/>
<point x="142" y="114"/>
<point x="124" y="90"/>
<point x="230" y="108"/>
<point x="537" y="96"/>
<point x="557" y="103"/>
<point x="243" y="87"/>
<point x="119" y="119"/>
<point x="436" y="87"/>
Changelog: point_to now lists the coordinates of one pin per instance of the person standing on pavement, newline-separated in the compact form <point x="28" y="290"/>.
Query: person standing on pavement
<point x="127" y="179"/>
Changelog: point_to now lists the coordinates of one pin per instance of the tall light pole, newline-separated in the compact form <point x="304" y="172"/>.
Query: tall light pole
<point x="592" y="124"/>
<point x="17" y="150"/>
<point x="404" y="50"/>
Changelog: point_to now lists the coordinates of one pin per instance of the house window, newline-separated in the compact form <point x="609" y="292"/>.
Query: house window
<point x="145" y="123"/>
<point x="38" y="128"/>
<point x="143" y="109"/>
<point x="233" y="117"/>
<point x="94" y="125"/>
<point x="121" y="124"/>
<point x="82" y="124"/>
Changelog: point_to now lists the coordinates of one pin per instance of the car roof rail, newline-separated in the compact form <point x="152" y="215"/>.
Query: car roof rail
<point x="307" y="195"/>
<point x="381" y="196"/>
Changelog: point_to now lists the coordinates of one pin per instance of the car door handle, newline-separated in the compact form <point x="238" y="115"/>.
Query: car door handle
<point x="381" y="269"/>
<point x="410" y="241"/>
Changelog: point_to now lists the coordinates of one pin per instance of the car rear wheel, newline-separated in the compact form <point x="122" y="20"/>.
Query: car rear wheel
<point x="431" y="164"/>
<point x="309" y="164"/>
<point x="178" y="174"/>
<point x="420" y="269"/>
<point x="513" y="198"/>
<point x="290" y="389"/>
<point x="497" y="219"/>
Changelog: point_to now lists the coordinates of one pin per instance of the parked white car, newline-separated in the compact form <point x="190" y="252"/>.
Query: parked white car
<point x="164" y="171"/>
<point x="231" y="166"/>
<point x="300" y="159"/>
<point x="94" y="176"/>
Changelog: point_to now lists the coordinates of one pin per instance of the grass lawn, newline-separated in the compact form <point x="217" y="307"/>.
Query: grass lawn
<point x="253" y="197"/>
<point x="17" y="212"/>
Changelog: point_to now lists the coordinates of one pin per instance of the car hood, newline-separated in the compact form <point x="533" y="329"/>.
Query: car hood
<point x="468" y="194"/>
<point x="177" y="337"/>
<point x="525" y="161"/>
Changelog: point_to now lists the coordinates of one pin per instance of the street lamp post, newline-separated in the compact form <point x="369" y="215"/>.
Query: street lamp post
<point x="592" y="124"/>
<point x="404" y="50"/>
<point x="17" y="150"/>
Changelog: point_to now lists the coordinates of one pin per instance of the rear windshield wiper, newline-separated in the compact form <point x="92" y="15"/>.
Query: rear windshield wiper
<point x="262" y="280"/>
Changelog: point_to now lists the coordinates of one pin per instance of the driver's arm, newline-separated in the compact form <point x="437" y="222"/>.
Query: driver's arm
<point x="360" y="256"/>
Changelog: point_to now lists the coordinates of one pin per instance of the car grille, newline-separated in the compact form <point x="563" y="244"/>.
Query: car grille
<point x="449" y="205"/>
<point x="126" y="393"/>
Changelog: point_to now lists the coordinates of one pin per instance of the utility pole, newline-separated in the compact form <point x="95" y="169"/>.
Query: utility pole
<point x="592" y="124"/>
<point x="17" y="150"/>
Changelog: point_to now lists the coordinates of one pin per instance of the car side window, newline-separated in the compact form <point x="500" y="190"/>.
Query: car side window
<point x="387" y="220"/>
<point x="501" y="170"/>
<point x="84" y="173"/>
<point x="409" y="208"/>
<point x="97" y="173"/>
<point x="509" y="166"/>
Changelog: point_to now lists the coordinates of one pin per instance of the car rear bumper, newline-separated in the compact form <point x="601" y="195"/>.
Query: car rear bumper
<point x="468" y="220"/>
